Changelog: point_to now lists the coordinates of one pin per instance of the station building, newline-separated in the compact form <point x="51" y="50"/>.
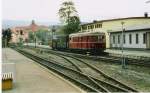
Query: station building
<point x="138" y="26"/>
<point x="135" y="37"/>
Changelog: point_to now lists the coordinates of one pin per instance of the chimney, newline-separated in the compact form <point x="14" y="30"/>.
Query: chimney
<point x="94" y="21"/>
<point x="145" y="14"/>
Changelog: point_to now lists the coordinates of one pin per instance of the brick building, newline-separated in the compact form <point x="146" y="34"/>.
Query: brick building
<point x="22" y="32"/>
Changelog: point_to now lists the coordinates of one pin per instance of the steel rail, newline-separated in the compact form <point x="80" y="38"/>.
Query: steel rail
<point x="80" y="69"/>
<point x="92" y="81"/>
<point x="100" y="72"/>
<point x="85" y="83"/>
<point x="113" y="59"/>
<point x="104" y="84"/>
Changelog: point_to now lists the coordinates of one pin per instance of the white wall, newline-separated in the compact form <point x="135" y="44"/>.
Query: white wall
<point x="127" y="44"/>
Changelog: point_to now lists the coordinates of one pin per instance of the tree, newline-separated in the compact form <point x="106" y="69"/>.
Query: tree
<point x="6" y="36"/>
<point x="31" y="37"/>
<point x="66" y="11"/>
<point x="69" y="17"/>
<point x="73" y="26"/>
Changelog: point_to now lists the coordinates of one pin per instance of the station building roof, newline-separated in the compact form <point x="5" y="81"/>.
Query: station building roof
<point x="115" y="19"/>
<point x="141" y="27"/>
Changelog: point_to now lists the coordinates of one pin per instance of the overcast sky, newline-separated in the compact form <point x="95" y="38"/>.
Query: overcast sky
<point x="46" y="10"/>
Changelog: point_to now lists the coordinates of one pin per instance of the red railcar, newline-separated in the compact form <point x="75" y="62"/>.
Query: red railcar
<point x="89" y="41"/>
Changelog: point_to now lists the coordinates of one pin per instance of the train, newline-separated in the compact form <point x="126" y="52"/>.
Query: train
<point x="83" y="42"/>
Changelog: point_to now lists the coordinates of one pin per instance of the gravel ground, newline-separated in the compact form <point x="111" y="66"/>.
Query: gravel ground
<point x="134" y="76"/>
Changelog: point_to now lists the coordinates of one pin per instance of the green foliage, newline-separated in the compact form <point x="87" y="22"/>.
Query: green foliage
<point x="42" y="36"/>
<point x="73" y="26"/>
<point x="6" y="36"/>
<point x="31" y="37"/>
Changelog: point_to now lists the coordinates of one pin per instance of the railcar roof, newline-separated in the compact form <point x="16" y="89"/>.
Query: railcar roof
<point x="85" y="34"/>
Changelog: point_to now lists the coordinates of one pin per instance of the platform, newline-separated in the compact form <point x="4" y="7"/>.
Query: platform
<point x="141" y="53"/>
<point x="33" y="78"/>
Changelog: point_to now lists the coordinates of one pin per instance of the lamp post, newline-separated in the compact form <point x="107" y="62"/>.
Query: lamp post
<point x="6" y="41"/>
<point x="48" y="35"/>
<point x="122" y="48"/>
<point x="34" y="39"/>
<point x="53" y="30"/>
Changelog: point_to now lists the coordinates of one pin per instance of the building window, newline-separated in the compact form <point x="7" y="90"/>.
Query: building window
<point x="130" y="38"/>
<point x="114" y="39"/>
<point x="124" y="39"/>
<point x="21" y="32"/>
<point x="92" y="26"/>
<point x="137" y="38"/>
<point x="84" y="27"/>
<point x="89" y="27"/>
<point x="98" y="26"/>
<point x="144" y="38"/>
<point x="118" y="39"/>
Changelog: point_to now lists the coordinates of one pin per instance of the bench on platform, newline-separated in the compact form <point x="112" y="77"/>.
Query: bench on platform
<point x="7" y="81"/>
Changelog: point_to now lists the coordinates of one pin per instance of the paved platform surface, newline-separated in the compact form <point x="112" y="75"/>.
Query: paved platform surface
<point x="143" y="53"/>
<point x="33" y="78"/>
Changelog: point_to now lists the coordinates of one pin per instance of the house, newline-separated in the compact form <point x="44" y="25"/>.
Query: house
<point x="22" y="32"/>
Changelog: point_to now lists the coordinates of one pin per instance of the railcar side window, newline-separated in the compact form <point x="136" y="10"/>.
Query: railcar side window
<point x="103" y="37"/>
<point x="95" y="38"/>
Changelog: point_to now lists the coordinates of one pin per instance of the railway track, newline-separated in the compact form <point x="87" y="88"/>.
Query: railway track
<point x="106" y="82"/>
<point x="88" y="83"/>
<point x="141" y="61"/>
<point x="99" y="74"/>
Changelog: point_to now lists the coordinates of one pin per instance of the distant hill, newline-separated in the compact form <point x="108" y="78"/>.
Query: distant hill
<point x="13" y="23"/>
